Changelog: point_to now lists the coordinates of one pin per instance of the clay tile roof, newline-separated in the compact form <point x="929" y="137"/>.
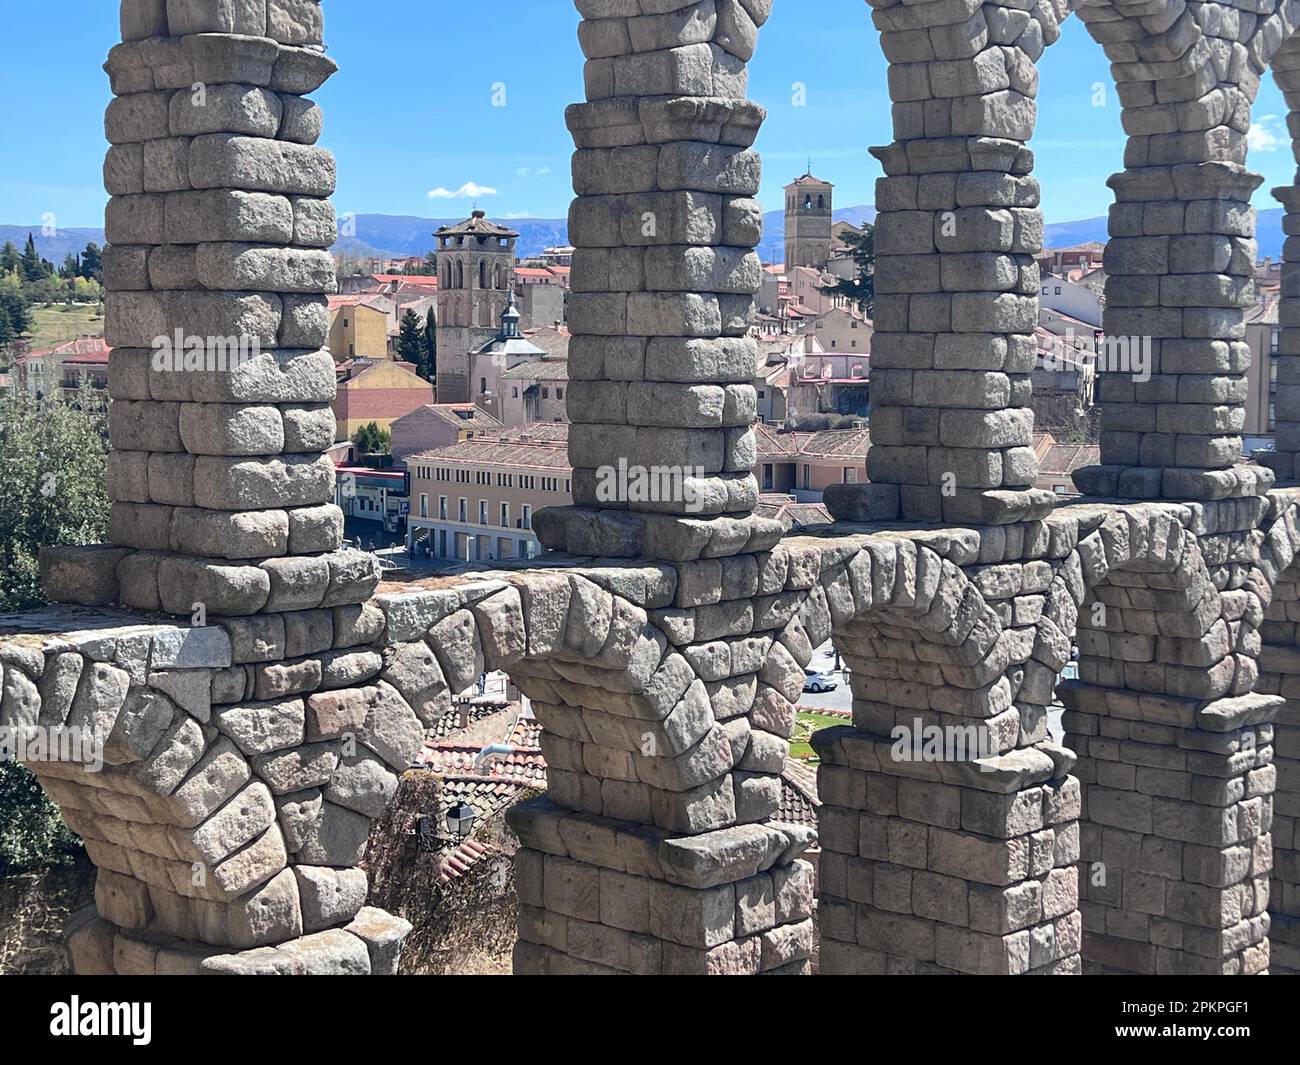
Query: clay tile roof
<point x="541" y="370"/>
<point x="476" y="225"/>
<point x="1066" y="458"/>
<point x="791" y="513"/>
<point x="528" y="446"/>
<point x="459" y="861"/>
<point x="464" y="415"/>
<point x="799" y="800"/>
<point x="809" y="179"/>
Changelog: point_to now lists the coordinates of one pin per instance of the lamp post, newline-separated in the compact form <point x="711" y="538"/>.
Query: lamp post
<point x="459" y="822"/>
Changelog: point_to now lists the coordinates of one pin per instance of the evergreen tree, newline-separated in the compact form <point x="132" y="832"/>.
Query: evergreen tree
<point x="10" y="260"/>
<point x="372" y="440"/>
<point x="33" y="266"/>
<point x="862" y="288"/>
<point x="429" y="352"/>
<point x="71" y="266"/>
<point x="409" y="341"/>
<point x="92" y="262"/>
<point x="8" y="334"/>
<point x="15" y="305"/>
<point x="52" y="484"/>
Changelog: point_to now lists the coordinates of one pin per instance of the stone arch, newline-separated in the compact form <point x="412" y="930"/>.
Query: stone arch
<point x="956" y="860"/>
<point x="1279" y="675"/>
<point x="1172" y="749"/>
<point x="662" y="771"/>
<point x="460" y="273"/>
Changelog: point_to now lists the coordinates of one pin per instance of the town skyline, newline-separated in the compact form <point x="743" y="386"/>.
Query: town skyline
<point x="417" y="131"/>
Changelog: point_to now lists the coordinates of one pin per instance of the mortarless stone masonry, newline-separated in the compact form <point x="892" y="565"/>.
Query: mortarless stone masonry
<point x="663" y="642"/>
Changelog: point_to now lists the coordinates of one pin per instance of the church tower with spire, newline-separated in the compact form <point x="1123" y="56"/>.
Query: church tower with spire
<point x="808" y="222"/>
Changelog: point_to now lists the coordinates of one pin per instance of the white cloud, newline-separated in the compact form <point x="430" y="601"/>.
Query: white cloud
<point x="525" y="171"/>
<point x="469" y="190"/>
<point x="517" y="214"/>
<point x="1263" y="135"/>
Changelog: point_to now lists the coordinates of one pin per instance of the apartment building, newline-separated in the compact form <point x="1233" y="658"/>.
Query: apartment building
<point x="801" y="465"/>
<point x="474" y="500"/>
<point x="360" y="326"/>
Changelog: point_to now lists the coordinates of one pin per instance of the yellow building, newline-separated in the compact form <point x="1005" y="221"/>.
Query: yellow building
<point x="377" y="391"/>
<point x="359" y="327"/>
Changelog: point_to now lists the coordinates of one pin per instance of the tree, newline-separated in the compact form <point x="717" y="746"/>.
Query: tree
<point x="52" y="484"/>
<point x="372" y="440"/>
<point x="92" y="262"/>
<point x="10" y="260"/>
<point x="71" y="265"/>
<point x="32" y="832"/>
<point x="409" y="341"/>
<point x="861" y="289"/>
<point x="429" y="364"/>
<point x="15" y="304"/>
<point x="33" y="266"/>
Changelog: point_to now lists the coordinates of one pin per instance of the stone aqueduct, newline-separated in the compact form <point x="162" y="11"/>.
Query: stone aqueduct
<point x="663" y="646"/>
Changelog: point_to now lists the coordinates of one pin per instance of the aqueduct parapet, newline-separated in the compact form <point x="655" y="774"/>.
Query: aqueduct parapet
<point x="248" y="745"/>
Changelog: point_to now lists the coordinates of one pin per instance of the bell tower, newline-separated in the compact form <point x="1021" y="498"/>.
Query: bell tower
<point x="808" y="222"/>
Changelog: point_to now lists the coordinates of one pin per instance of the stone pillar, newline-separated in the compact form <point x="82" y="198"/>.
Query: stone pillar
<point x="948" y="824"/>
<point x="956" y="282"/>
<point x="245" y="754"/>
<point x="216" y="273"/>
<point x="1286" y="401"/>
<point x="1279" y="675"/>
<point x="667" y="699"/>
<point x="661" y="397"/>
<point x="1175" y="750"/>
<point x="1180" y="262"/>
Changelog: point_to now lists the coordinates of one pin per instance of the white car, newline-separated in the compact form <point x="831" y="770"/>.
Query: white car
<point x="818" y="682"/>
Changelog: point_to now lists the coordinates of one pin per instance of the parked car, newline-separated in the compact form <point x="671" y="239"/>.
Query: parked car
<point x="818" y="682"/>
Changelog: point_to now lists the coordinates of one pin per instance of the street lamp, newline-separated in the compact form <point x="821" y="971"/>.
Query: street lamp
<point x="460" y="819"/>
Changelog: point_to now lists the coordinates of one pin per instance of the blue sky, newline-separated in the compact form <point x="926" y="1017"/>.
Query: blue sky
<point x="412" y="108"/>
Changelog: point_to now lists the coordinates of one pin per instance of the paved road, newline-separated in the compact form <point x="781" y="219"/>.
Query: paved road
<point x="841" y="698"/>
<point x="823" y="660"/>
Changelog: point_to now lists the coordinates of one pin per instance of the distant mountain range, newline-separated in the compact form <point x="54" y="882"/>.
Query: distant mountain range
<point x="393" y="236"/>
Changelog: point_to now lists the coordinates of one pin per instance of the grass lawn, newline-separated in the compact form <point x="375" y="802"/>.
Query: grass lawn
<point x="63" y="322"/>
<point x="806" y="723"/>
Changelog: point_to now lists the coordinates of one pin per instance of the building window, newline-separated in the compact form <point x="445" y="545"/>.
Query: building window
<point x="464" y="509"/>
<point x="850" y="475"/>
<point x="424" y="505"/>
<point x="482" y="512"/>
<point x="482" y="386"/>
<point x="442" y="508"/>
<point x="505" y="515"/>
<point x="514" y="393"/>
<point x="527" y="520"/>
<point x="559" y="393"/>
